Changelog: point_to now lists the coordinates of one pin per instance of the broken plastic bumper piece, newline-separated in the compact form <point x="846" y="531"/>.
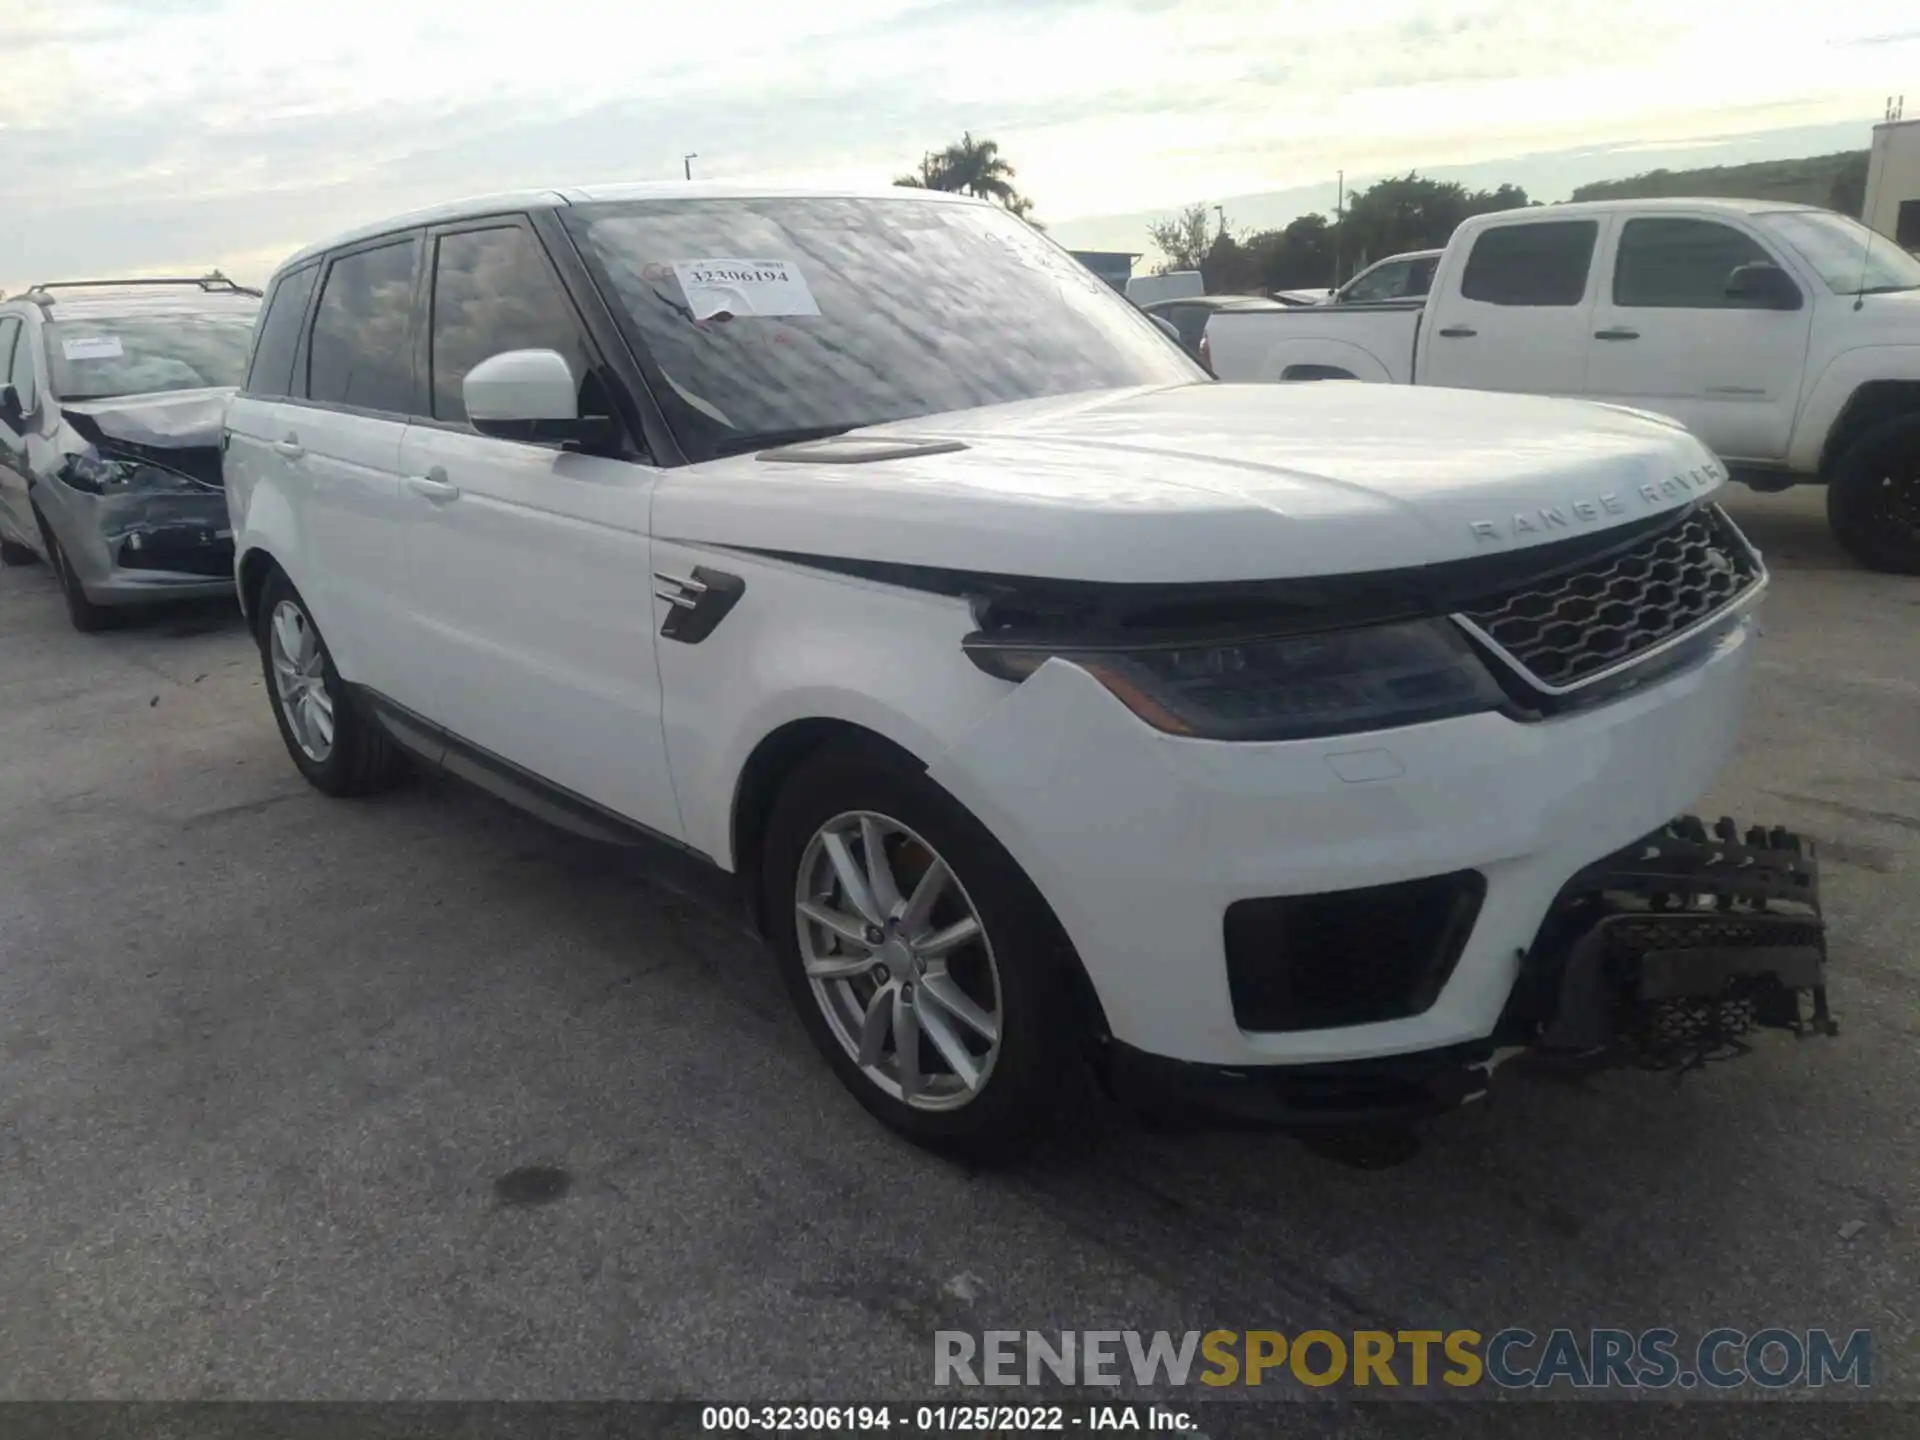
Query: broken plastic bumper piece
<point x="1672" y="951"/>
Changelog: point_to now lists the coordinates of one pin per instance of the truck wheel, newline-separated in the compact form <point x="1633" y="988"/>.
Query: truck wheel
<point x="923" y="963"/>
<point x="1873" y="498"/>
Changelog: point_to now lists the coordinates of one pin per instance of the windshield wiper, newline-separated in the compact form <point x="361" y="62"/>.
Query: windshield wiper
<point x="1886" y="289"/>
<point x="772" y="439"/>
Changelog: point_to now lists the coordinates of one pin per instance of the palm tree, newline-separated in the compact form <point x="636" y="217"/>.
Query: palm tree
<point x="975" y="167"/>
<point x="978" y="167"/>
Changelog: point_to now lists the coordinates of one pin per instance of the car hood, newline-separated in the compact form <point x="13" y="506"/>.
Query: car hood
<point x="1200" y="482"/>
<point x="179" y="429"/>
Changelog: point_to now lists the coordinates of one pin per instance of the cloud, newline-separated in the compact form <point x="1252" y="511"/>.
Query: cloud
<point x="144" y="134"/>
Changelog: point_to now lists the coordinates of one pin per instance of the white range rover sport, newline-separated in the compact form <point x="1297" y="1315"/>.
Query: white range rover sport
<point x="1294" y="751"/>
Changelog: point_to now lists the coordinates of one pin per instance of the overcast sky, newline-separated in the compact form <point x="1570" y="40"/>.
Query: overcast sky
<point x="153" y="134"/>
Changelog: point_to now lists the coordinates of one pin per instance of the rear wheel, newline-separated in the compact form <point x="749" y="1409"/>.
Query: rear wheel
<point x="925" y="966"/>
<point x="1873" y="498"/>
<point x="340" y="749"/>
<point x="12" y="554"/>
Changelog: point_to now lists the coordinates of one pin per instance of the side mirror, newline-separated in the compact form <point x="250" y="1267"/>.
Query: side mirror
<point x="1167" y="327"/>
<point x="1763" y="284"/>
<point x="529" y="395"/>
<point x="10" y="412"/>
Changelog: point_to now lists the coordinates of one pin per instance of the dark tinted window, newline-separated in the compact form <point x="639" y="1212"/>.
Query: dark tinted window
<point x="1543" y="264"/>
<point x="1906" y="226"/>
<point x="277" y="344"/>
<point x="883" y="309"/>
<point x="494" y="291"/>
<point x="360" y="354"/>
<point x="9" y="340"/>
<point x="1421" y="280"/>
<point x="19" y="370"/>
<point x="1671" y="261"/>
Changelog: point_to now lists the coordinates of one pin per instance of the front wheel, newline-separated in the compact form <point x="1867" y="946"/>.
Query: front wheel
<point x="1873" y="498"/>
<point x="85" y="616"/>
<point x="340" y="749"/>
<point x="925" y="966"/>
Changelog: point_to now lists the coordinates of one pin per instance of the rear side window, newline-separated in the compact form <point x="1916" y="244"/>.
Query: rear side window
<point x="271" y="374"/>
<point x="1543" y="264"/>
<point x="494" y="291"/>
<point x="1680" y="263"/>
<point x="360" y="354"/>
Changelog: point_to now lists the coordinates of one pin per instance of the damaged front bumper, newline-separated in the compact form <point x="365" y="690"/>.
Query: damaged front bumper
<point x="1670" y="952"/>
<point x="1667" y="954"/>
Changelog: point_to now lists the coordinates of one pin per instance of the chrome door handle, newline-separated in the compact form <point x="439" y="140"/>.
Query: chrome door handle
<point x="290" y="447"/>
<point x="1459" y="332"/>
<point x="438" y="491"/>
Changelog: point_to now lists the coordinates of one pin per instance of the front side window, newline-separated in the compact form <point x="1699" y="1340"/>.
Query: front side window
<point x="781" y="317"/>
<point x="1535" y="264"/>
<point x="1386" y="283"/>
<point x="274" y="352"/>
<point x="1677" y="263"/>
<point x="494" y="291"/>
<point x="1850" y="258"/>
<point x="360" y="355"/>
<point x="102" y="357"/>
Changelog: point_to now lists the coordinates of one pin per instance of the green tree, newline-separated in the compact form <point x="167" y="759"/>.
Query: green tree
<point x="971" y="167"/>
<point x="1413" y="212"/>
<point x="1185" y="239"/>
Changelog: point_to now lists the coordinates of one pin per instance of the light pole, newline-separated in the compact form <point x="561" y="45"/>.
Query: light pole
<point x="686" y="163"/>
<point x="1339" y="209"/>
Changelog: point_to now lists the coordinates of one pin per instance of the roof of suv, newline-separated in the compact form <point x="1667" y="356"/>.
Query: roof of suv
<point x="522" y="200"/>
<point x="111" y="299"/>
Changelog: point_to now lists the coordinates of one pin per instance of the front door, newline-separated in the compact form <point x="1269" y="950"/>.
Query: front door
<point x="1668" y="337"/>
<point x="530" y="566"/>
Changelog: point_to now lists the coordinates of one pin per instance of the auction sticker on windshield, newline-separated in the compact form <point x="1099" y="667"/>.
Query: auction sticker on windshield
<point x="744" y="287"/>
<point x="92" y="347"/>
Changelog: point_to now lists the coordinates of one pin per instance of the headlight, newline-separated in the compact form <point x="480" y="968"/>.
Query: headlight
<point x="109" y="475"/>
<point x="1284" y="688"/>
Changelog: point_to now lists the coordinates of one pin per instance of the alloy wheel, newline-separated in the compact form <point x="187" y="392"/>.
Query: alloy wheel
<point x="300" y="680"/>
<point x="898" y="960"/>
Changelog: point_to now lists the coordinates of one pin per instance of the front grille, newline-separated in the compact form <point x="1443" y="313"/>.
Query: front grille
<point x="1571" y="629"/>
<point x="1347" y="957"/>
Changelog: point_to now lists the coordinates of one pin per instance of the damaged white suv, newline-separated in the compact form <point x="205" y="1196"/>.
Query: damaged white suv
<point x="1273" y="747"/>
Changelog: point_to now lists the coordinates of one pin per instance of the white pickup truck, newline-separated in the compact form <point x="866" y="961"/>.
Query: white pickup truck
<point x="1785" y="337"/>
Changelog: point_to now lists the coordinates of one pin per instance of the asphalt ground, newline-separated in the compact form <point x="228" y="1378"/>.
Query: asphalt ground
<point x="417" y="1098"/>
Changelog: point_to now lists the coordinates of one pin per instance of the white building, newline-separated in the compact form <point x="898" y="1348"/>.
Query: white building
<point x="1893" y="183"/>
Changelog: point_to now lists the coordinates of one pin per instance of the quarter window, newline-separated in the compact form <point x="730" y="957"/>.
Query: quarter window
<point x="1538" y="264"/>
<point x="360" y="354"/>
<point x="1674" y="262"/>
<point x="16" y="363"/>
<point x="271" y="374"/>
<point x="493" y="291"/>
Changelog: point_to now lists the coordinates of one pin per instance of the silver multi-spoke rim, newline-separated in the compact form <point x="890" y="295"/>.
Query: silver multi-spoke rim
<point x="899" y="960"/>
<point x="300" y="680"/>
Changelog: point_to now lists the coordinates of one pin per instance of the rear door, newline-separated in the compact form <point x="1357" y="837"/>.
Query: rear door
<point x="1515" y="315"/>
<point x="531" y="565"/>
<point x="1668" y="337"/>
<point x="353" y="391"/>
<point x="259" y="419"/>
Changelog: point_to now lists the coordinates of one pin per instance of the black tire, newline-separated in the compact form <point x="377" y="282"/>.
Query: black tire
<point x="12" y="554"/>
<point x="1873" y="498"/>
<point x="87" y="617"/>
<point x="362" y="758"/>
<point x="1040" y="1044"/>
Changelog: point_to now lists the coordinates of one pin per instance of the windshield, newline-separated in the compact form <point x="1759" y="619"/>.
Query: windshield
<point x="1850" y="258"/>
<point x="769" y="320"/>
<point x="95" y="359"/>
